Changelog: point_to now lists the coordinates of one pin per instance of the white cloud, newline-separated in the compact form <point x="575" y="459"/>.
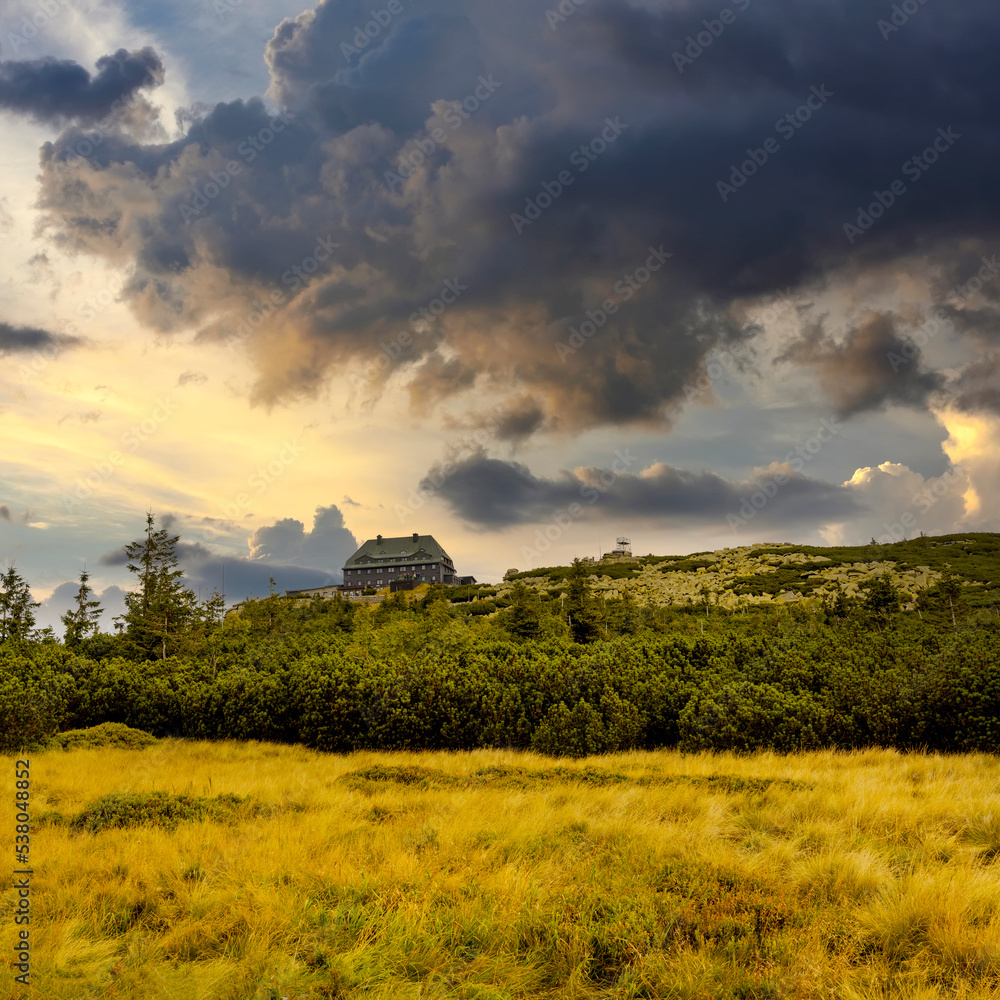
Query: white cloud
<point x="902" y="503"/>
<point x="974" y="443"/>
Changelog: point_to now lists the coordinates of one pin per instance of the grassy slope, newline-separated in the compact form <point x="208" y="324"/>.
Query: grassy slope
<point x="869" y="875"/>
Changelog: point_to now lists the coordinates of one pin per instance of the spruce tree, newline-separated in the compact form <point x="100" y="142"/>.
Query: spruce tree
<point x="158" y="614"/>
<point x="16" y="616"/>
<point x="838" y="606"/>
<point x="882" y="603"/>
<point x="207" y="628"/>
<point x="83" y="620"/>
<point x="626" y="618"/>
<point x="523" y="617"/>
<point x="944" y="604"/>
<point x="950" y="589"/>
<point x="580" y="605"/>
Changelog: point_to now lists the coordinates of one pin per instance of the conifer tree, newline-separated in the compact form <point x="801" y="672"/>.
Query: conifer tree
<point x="523" y="617"/>
<point x="158" y="614"/>
<point x="882" y="602"/>
<point x="838" y="606"/>
<point x="944" y="603"/>
<point x="83" y="620"/>
<point x="950" y="588"/>
<point x="16" y="616"/>
<point x="213" y="609"/>
<point x="207" y="627"/>
<point x="626" y="618"/>
<point x="580" y="608"/>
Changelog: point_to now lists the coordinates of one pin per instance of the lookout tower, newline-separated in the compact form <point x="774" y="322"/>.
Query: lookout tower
<point x="623" y="549"/>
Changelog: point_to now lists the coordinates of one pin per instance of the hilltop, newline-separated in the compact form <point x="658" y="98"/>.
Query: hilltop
<point x="765" y="573"/>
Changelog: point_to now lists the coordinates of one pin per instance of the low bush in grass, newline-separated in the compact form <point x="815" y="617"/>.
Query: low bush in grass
<point x="163" y="809"/>
<point x="108" y="734"/>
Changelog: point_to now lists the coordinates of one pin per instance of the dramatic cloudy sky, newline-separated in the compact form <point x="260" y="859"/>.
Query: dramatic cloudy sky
<point x="524" y="277"/>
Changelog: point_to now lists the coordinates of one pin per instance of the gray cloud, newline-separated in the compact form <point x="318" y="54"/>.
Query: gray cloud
<point x="4" y="512"/>
<point x="315" y="561"/>
<point x="55" y="90"/>
<point x="245" y="578"/>
<point x="491" y="493"/>
<point x="29" y="338"/>
<point x="116" y="557"/>
<point x="522" y="419"/>
<point x="84" y="416"/>
<point x="872" y="367"/>
<point x="294" y="557"/>
<point x="326" y="546"/>
<point x="321" y="173"/>
<point x="977" y="388"/>
<point x="63" y="598"/>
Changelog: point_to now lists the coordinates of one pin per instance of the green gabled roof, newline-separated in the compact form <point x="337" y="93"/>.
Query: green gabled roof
<point x="424" y="549"/>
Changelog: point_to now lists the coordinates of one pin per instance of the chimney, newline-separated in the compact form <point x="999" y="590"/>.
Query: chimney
<point x="416" y="537"/>
<point x="378" y="539"/>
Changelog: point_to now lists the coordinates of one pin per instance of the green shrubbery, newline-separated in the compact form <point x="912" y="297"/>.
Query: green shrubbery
<point x="405" y="686"/>
<point x="565" y="678"/>
<point x="744" y="717"/>
<point x="37" y="694"/>
<point x="585" y="730"/>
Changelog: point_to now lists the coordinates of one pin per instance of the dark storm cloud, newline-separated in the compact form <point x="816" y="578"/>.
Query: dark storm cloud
<point x="29" y="338"/>
<point x="57" y="90"/>
<point x="979" y="325"/>
<point x="977" y="388"/>
<point x="415" y="153"/>
<point x="425" y="59"/>
<point x="871" y="368"/>
<point x="491" y="493"/>
<point x="520" y="421"/>
<point x="116" y="557"/>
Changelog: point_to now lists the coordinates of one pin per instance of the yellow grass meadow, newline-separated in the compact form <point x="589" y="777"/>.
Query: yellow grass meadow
<point x="495" y="875"/>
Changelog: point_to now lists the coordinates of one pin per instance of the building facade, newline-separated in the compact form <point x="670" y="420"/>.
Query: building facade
<point x="381" y="561"/>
